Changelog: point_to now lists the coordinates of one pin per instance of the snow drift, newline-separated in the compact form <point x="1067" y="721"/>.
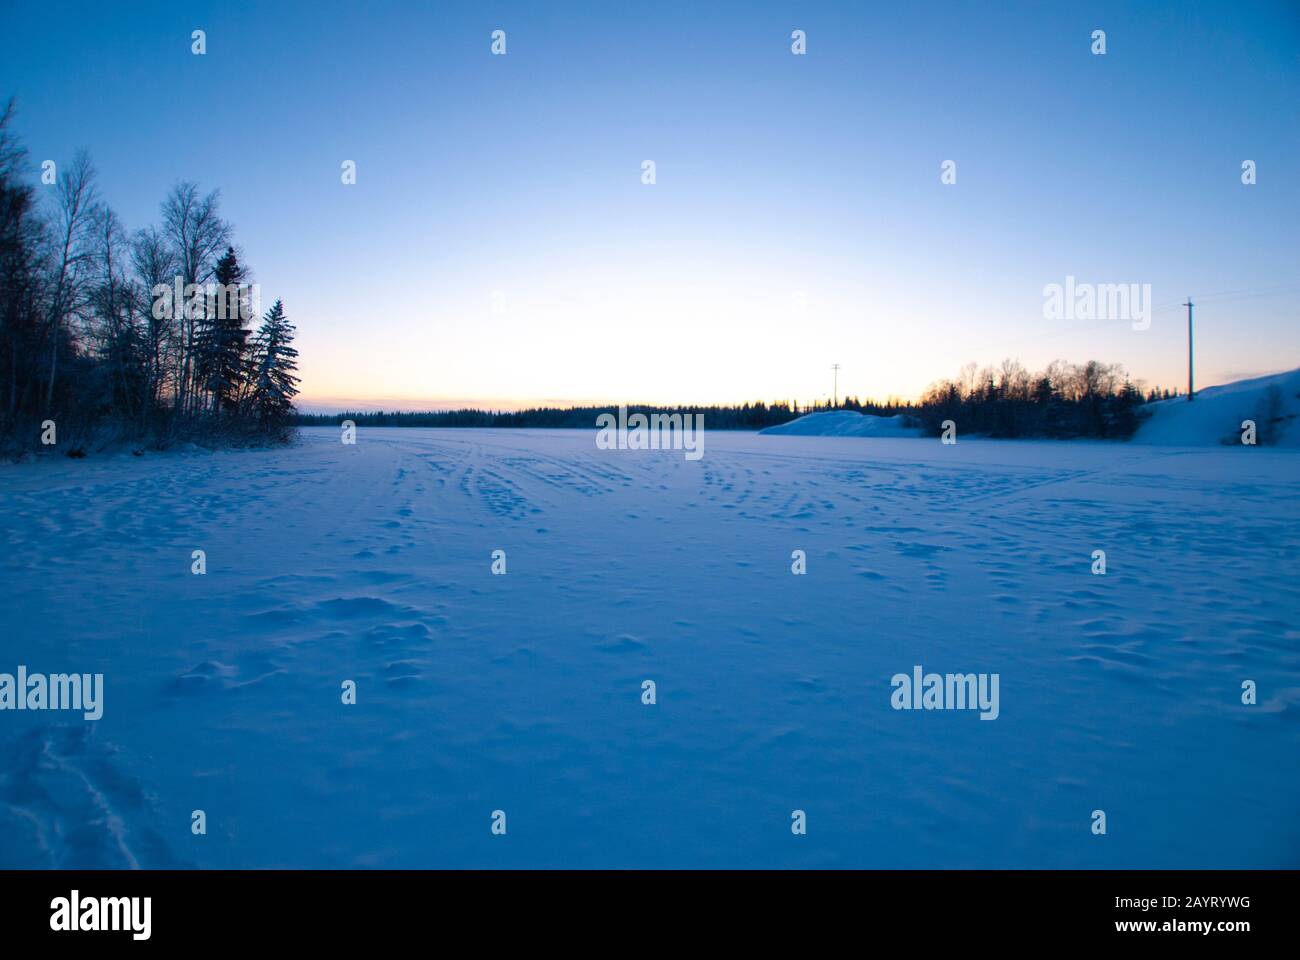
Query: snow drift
<point x="845" y="423"/>
<point x="1216" y="415"/>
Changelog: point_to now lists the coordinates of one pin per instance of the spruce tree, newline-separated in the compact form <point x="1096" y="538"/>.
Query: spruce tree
<point x="223" y="345"/>
<point x="274" y="363"/>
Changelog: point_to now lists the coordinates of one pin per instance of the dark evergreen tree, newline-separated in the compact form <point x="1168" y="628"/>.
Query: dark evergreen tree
<point x="274" y="363"/>
<point x="222" y="343"/>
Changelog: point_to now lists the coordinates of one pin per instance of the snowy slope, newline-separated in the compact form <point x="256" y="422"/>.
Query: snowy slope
<point x="523" y="692"/>
<point x="1217" y="413"/>
<point x="844" y="423"/>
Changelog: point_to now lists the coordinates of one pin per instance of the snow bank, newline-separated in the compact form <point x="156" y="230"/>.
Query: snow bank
<point x="845" y="423"/>
<point x="1215" y="416"/>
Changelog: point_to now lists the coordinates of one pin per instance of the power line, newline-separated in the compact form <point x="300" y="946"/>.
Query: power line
<point x="1160" y="309"/>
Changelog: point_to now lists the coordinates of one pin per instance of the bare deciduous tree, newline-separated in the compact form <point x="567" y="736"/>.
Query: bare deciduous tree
<point x="68" y="259"/>
<point x="197" y="235"/>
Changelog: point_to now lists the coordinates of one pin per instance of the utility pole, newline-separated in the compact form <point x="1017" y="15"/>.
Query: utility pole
<point x="835" y="398"/>
<point x="1191" y="392"/>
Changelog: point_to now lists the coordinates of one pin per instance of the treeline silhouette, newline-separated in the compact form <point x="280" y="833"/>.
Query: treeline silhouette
<point x="1064" y="401"/>
<point x="747" y="416"/>
<point x="114" y="337"/>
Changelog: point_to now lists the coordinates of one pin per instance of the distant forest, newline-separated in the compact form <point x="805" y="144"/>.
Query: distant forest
<point x="109" y="337"/>
<point x="1095" y="400"/>
<point x="1064" y="401"/>
<point x="748" y="416"/>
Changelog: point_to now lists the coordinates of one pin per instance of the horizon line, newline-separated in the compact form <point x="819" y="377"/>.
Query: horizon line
<point x="329" y="405"/>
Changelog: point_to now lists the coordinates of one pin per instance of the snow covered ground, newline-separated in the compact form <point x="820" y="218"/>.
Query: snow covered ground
<point x="523" y="692"/>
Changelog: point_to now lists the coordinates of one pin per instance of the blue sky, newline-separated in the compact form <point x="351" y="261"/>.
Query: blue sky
<point x="499" y="247"/>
